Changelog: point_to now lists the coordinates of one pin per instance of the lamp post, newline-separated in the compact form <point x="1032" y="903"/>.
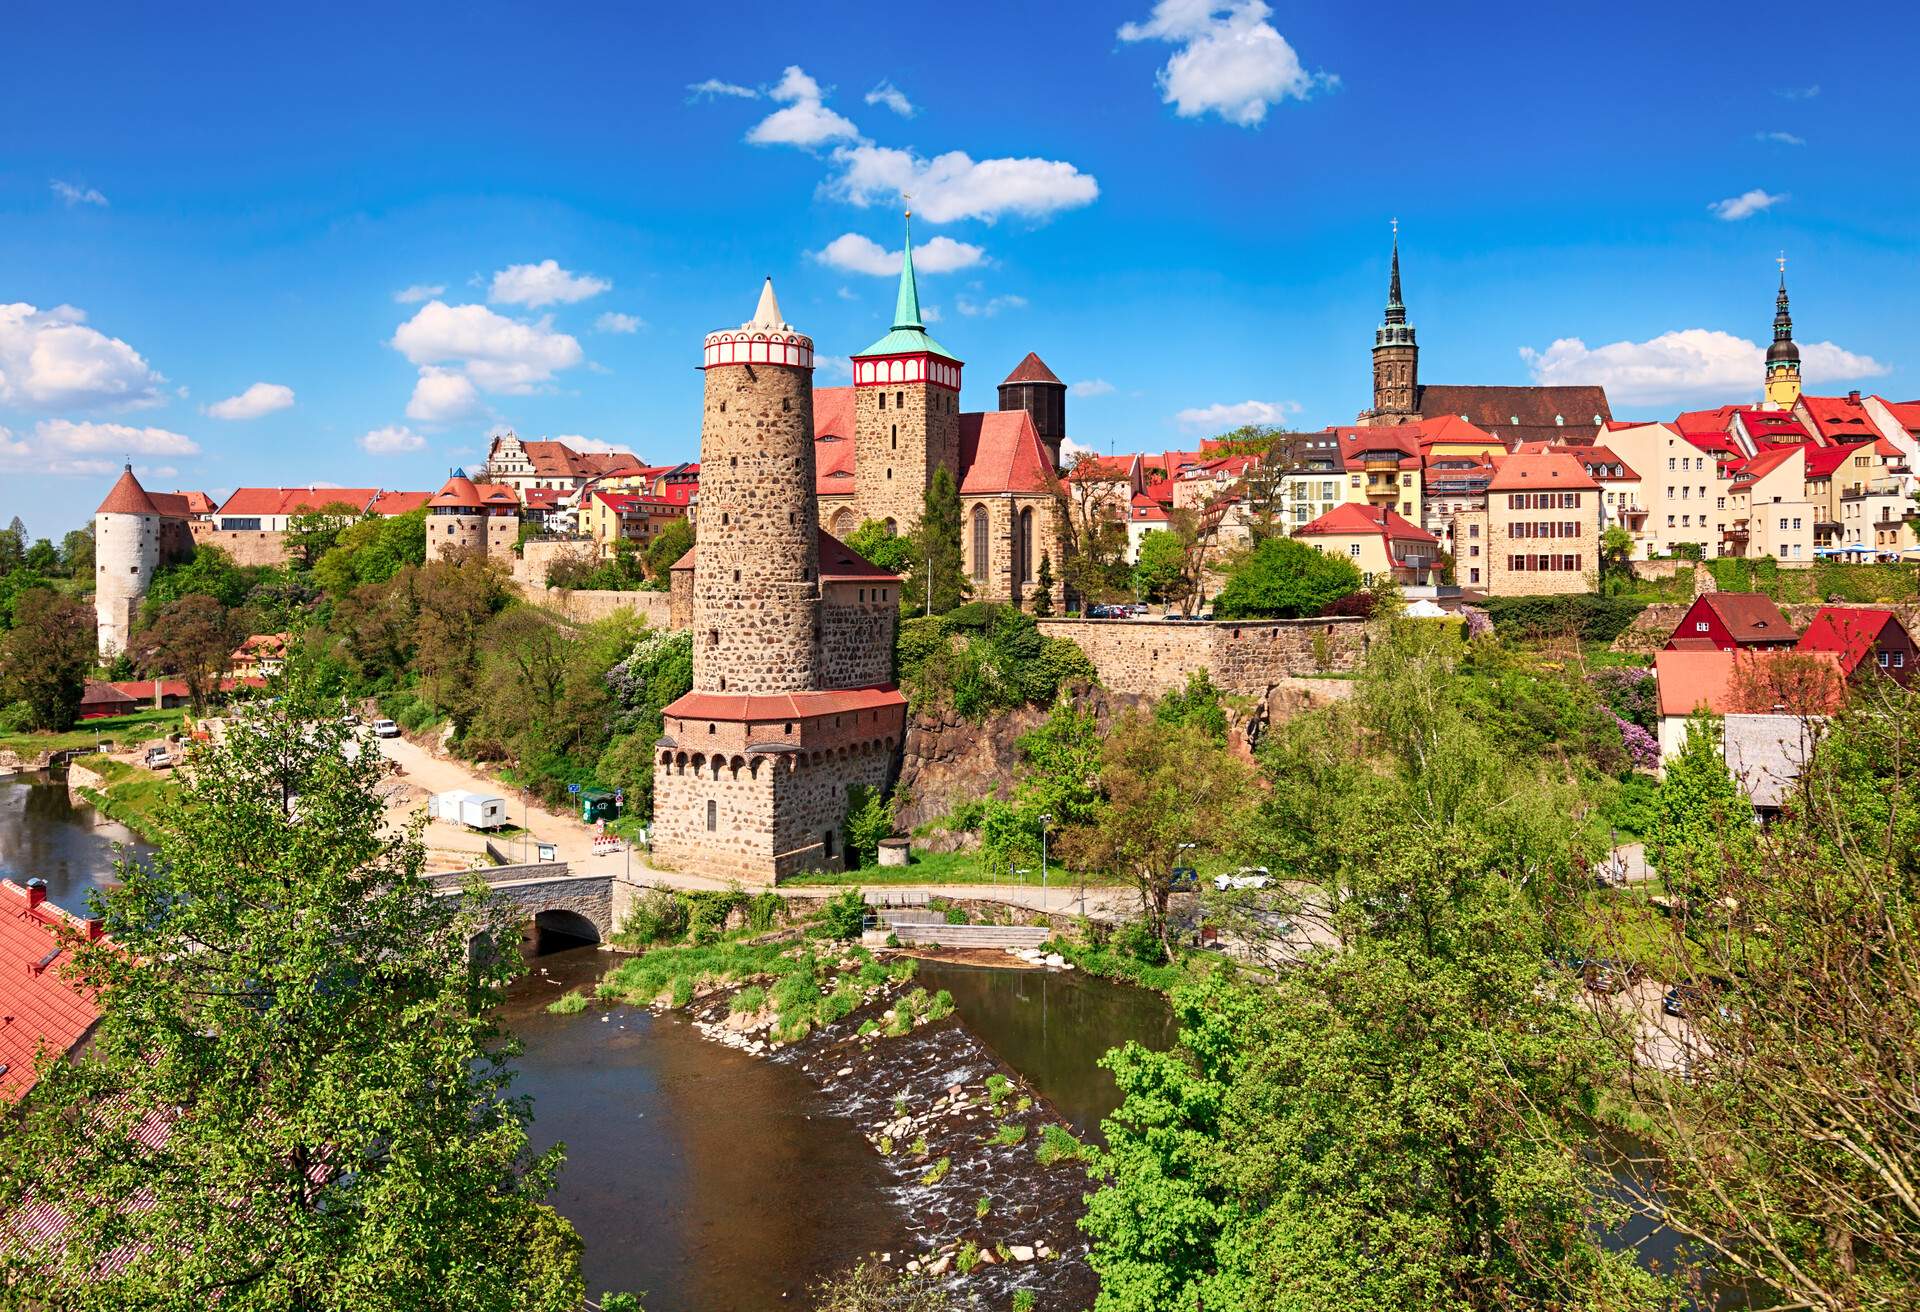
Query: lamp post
<point x="1046" y="819"/>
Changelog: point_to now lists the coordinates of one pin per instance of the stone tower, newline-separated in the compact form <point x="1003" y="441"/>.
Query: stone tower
<point x="1034" y="388"/>
<point x="126" y="552"/>
<point x="456" y="521"/>
<point x="906" y="412"/>
<point x="1396" y="356"/>
<point x="756" y="618"/>
<point x="1783" y="357"/>
<point x="792" y="636"/>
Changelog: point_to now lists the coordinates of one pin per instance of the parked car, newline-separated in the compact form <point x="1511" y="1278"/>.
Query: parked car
<point x="1244" y="877"/>
<point x="385" y="729"/>
<point x="158" y="758"/>
<point x="1184" y="880"/>
<point x="1685" y="997"/>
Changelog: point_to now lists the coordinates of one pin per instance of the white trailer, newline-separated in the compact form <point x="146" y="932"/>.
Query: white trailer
<point x="474" y="810"/>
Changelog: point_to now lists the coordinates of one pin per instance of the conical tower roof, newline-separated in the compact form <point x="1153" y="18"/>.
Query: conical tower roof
<point x="909" y="335"/>
<point x="127" y="497"/>
<point x="458" y="494"/>
<point x="767" y="338"/>
<point x="1032" y="370"/>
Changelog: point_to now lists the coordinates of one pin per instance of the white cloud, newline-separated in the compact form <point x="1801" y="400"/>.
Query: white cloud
<point x="857" y="254"/>
<point x="806" y="121"/>
<point x="116" y="439"/>
<point x="260" y="399"/>
<point x="73" y="195"/>
<point x="1069" y="448"/>
<point x="892" y="97"/>
<point x="612" y="322"/>
<point x="1692" y="364"/>
<point x="1221" y="416"/>
<point x="497" y="353"/>
<point x="713" y="87"/>
<point x="1090" y="387"/>
<point x="1799" y="93"/>
<point x="393" y="440"/>
<point x="595" y="444"/>
<point x="1745" y="205"/>
<point x="956" y="186"/>
<point x="989" y="307"/>
<point x="929" y="314"/>
<point x="1780" y="138"/>
<point x="1230" y="61"/>
<point x="833" y="366"/>
<point x="442" y="396"/>
<point x="545" y="283"/>
<point x="419" y="292"/>
<point x="51" y="358"/>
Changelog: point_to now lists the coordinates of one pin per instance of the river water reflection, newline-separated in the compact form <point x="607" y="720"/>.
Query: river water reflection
<point x="70" y="845"/>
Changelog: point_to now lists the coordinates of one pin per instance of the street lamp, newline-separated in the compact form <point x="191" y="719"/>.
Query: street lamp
<point x="1046" y="818"/>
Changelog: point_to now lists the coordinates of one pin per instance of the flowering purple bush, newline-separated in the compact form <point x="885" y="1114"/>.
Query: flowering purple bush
<point x="1641" y="746"/>
<point x="1479" y="623"/>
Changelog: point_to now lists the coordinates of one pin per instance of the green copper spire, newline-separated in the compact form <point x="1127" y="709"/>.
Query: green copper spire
<point x="906" y="310"/>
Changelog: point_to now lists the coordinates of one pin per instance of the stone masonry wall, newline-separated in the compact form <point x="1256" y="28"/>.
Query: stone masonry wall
<point x="856" y="638"/>
<point x="812" y="803"/>
<point x="586" y="607"/>
<point x="246" y="548"/>
<point x="740" y="844"/>
<point x="1245" y="657"/>
<point x="897" y="449"/>
<point x="538" y="556"/>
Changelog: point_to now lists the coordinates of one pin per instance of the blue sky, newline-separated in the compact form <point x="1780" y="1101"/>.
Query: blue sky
<point x="206" y="215"/>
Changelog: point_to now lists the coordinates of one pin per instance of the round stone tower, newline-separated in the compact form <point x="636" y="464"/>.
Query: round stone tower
<point x="1038" y="390"/>
<point x="456" y="519"/>
<point x="756" y="577"/>
<point x="126" y="552"/>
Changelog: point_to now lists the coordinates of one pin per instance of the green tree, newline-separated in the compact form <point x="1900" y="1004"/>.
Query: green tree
<point x="43" y="557"/>
<point x="1041" y="602"/>
<point x="373" y="550"/>
<point x="16" y="585"/>
<point x="192" y="639"/>
<point x="313" y="533"/>
<point x="1197" y="704"/>
<point x="869" y="819"/>
<point x="1285" y="579"/>
<point x="76" y="553"/>
<point x="209" y="572"/>
<point x="672" y="542"/>
<point x="457" y="600"/>
<point x="1616" y="556"/>
<point x="45" y="657"/>
<point x="1700" y="822"/>
<point x="877" y="544"/>
<point x="286" y="995"/>
<point x="13" y="545"/>
<point x="1160" y="573"/>
<point x="938" y="580"/>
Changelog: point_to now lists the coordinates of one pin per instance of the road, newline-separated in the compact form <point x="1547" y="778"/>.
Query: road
<point x="573" y="843"/>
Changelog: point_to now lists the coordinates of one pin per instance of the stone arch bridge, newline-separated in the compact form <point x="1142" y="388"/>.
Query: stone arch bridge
<point x="550" y="894"/>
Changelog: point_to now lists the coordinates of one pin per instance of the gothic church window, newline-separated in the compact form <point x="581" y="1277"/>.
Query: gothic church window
<point x="980" y="542"/>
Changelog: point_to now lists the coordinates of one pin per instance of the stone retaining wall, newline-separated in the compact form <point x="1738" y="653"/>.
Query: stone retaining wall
<point x="1244" y="657"/>
<point x="247" y="547"/>
<point x="585" y="607"/>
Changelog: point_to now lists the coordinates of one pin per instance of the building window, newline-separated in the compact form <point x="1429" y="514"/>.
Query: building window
<point x="980" y="543"/>
<point x="1353" y="550"/>
<point x="713" y="815"/>
<point x="899" y="400"/>
<point x="1699" y="626"/>
<point x="1473" y="575"/>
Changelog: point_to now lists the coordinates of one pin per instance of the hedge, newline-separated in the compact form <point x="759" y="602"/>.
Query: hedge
<point x="1594" y="618"/>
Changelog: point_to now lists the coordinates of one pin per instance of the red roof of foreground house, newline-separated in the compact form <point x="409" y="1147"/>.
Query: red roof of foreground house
<point x="535" y="498"/>
<point x="459" y="493"/>
<point x="295" y="500"/>
<point x="1599" y="461"/>
<point x="1750" y="617"/>
<point x="1000" y="452"/>
<point x="1718" y="445"/>
<point x="1146" y="510"/>
<point x="104" y="699"/>
<point x="1691" y="680"/>
<point x="1539" y="473"/>
<point x="781" y="705"/>
<point x="40" y="1009"/>
<point x="1851" y="632"/>
<point x="1822" y="461"/>
<point x="1452" y="428"/>
<point x="1031" y="370"/>
<point x="389" y="504"/>
<point x="1840" y="418"/>
<point x="1905" y="413"/>
<point x="127" y="497"/>
<point x="1357" y="443"/>
<point x="1706" y="422"/>
<point x="1352" y="518"/>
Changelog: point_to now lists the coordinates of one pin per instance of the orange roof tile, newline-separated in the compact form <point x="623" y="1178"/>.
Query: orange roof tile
<point x="127" y="497"/>
<point x="295" y="500"/>
<point x="840" y="561"/>
<point x="39" y="1007"/>
<point x="1000" y="452"/>
<point x="389" y="504"/>
<point x="737" y="707"/>
<point x="1539" y="473"/>
<point x="1688" y="681"/>
<point x="1351" y="518"/>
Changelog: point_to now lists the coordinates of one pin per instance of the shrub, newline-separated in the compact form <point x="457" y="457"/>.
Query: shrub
<point x="707" y="912"/>
<point x="938" y="1171"/>
<point x="845" y="914"/>
<point x="1285" y="579"/>
<point x="748" y="1001"/>
<point x="1009" y="1135"/>
<point x="940" y="1006"/>
<point x="1590" y="616"/>
<point x="568" y="1004"/>
<point x="765" y="910"/>
<point x="869" y="819"/>
<point x="658" y="915"/>
<point x="1057" y="1144"/>
<point x="997" y="1087"/>
<point x="1358" y="604"/>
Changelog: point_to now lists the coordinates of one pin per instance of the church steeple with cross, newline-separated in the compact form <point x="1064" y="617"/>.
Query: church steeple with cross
<point x="1396" y="355"/>
<point x="1783" y="357"/>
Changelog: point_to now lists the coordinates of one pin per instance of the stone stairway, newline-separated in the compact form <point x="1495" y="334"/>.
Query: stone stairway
<point x="973" y="936"/>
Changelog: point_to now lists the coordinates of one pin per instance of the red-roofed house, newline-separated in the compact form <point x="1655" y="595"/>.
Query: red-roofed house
<point x="1006" y="503"/>
<point x="268" y="509"/>
<point x="1838" y="419"/>
<point x="608" y="516"/>
<point x="1864" y="637"/>
<point x="1684" y="482"/>
<point x="1876" y="486"/>
<point x="1742" y="682"/>
<point x="1539" y="533"/>
<point x="41" y="1010"/>
<point x="1898" y="422"/>
<point x="1768" y="513"/>
<point x="1382" y="466"/>
<point x="98" y="700"/>
<point x="1380" y="543"/>
<point x="521" y="465"/>
<point x="1731" y="621"/>
<point x="1756" y="429"/>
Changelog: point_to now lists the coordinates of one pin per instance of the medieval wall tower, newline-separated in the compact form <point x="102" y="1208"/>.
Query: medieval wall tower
<point x="789" y="709"/>
<point x="126" y="552"/>
<point x="1783" y="356"/>
<point x="906" y="412"/>
<point x="471" y="518"/>
<point x="1038" y="390"/>
<point x="1396" y="355"/>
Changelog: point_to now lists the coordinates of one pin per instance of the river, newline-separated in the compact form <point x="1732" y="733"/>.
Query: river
<point x="70" y="845"/>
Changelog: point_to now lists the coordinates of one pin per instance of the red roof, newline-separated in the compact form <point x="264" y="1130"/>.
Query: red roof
<point x="840" y="561"/>
<point x="141" y="690"/>
<point x="1749" y="617"/>
<point x="1351" y="517"/>
<point x="183" y="505"/>
<point x="39" y="1007"/>
<point x="535" y="498"/>
<point x="1756" y="467"/>
<point x="295" y="500"/>
<point x="1840" y="418"/>
<point x="1092" y="468"/>
<point x="127" y="497"/>
<point x="1715" y="421"/>
<point x="1905" y="413"/>
<point x="1774" y="426"/>
<point x="738" y="707"/>
<point x="558" y="460"/>
<point x="1539" y="473"/>
<point x="1822" y="461"/>
<point x="1148" y="511"/>
<point x="833" y="414"/>
<point x="1690" y="680"/>
<point x="1598" y="461"/>
<point x="1031" y="370"/>
<point x="1357" y="443"/>
<point x="1852" y="632"/>
<point x="1714" y="444"/>
<point x="1000" y="452"/>
<point x="459" y="493"/>
<point x="618" y="501"/>
<point x="389" y="504"/>
<point x="1452" y="428"/>
<point x="103" y="698"/>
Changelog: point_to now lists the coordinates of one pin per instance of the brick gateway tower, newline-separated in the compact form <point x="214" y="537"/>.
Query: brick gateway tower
<point x="792" y="636"/>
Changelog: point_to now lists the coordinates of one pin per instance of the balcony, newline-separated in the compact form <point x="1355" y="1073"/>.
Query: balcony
<point x="1735" y="532"/>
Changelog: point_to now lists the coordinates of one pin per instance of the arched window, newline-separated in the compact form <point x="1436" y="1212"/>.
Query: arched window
<point x="1025" y="568"/>
<point x="980" y="543"/>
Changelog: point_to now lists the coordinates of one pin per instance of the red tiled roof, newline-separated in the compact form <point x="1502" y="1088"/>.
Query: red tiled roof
<point x="1090" y="468"/>
<point x="1851" y="632"/>
<point x="1538" y="473"/>
<point x="1595" y="459"/>
<point x="1031" y="370"/>
<point x="141" y="690"/>
<point x="39" y="1007"/>
<point x="1000" y="452"/>
<point x="390" y="504"/>
<point x="1351" y="517"/>
<point x="1840" y="418"/>
<point x="558" y="460"/>
<point x="1537" y="412"/>
<point x="1758" y="466"/>
<point x="182" y="505"/>
<point x="127" y="497"/>
<point x="1774" y="426"/>
<point x="840" y="561"/>
<point x="535" y="498"/>
<point x="1690" y="680"/>
<point x="1714" y="444"/>
<point x="294" y="500"/>
<point x="1905" y="413"/>
<point x="738" y="707"/>
<point x="1148" y="511"/>
<point x="1822" y="461"/>
<point x="1715" y="421"/>
<point x="1452" y="428"/>
<point x="1749" y="616"/>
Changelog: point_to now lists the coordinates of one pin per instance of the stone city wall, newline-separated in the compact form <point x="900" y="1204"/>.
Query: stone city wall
<point x="538" y="556"/>
<point x="584" y="607"/>
<point x="247" y="547"/>
<point x="739" y="845"/>
<point x="1245" y="657"/>
<point x="856" y="639"/>
<point x="813" y="808"/>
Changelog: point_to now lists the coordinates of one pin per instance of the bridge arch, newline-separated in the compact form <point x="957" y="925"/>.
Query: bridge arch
<point x="565" y="923"/>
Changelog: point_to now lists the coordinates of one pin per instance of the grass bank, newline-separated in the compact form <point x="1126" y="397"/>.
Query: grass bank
<point x="122" y="730"/>
<point x="134" y="797"/>
<point x="948" y="868"/>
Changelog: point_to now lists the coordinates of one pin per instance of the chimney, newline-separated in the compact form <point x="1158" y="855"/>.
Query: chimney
<point x="1853" y="397"/>
<point x="36" y="892"/>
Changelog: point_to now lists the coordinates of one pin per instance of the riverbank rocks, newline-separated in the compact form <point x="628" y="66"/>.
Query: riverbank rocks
<point x="1035" y="957"/>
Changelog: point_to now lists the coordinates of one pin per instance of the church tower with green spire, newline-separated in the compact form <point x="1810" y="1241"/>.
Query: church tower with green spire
<point x="1783" y="357"/>
<point x="1396" y="356"/>
<point x="906" y="411"/>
